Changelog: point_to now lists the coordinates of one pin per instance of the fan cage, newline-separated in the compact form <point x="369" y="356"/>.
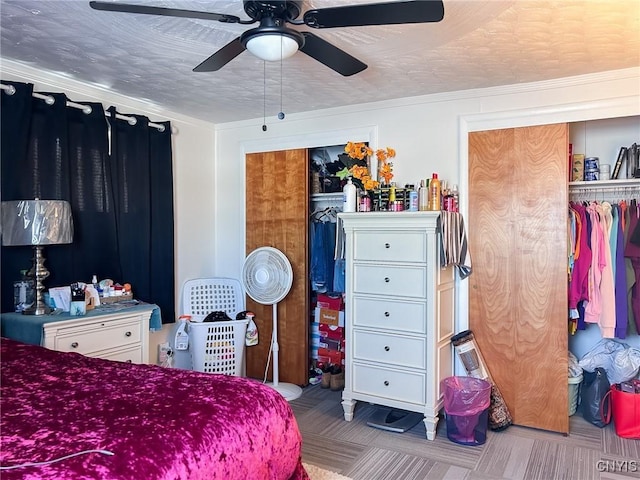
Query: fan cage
<point x="273" y="262"/>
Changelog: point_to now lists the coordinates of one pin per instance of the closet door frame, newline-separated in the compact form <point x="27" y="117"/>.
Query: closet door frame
<point x="523" y="117"/>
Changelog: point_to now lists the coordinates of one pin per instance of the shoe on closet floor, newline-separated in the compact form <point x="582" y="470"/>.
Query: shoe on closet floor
<point x="326" y="378"/>
<point x="337" y="378"/>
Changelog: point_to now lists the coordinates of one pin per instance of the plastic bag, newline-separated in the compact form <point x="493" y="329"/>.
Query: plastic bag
<point x="620" y="361"/>
<point x="594" y="389"/>
<point x="601" y="355"/>
<point x="465" y="395"/>
<point x="625" y="365"/>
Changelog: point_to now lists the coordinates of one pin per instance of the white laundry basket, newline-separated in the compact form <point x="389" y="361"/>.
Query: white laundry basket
<point x="216" y="347"/>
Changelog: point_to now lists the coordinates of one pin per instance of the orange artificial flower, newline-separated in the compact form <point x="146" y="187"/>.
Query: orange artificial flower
<point x="360" y="151"/>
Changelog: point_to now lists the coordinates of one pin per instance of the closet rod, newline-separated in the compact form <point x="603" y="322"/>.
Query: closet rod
<point x="49" y="100"/>
<point x="621" y="190"/>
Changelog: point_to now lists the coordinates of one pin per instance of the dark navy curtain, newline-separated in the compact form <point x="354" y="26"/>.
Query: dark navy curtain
<point x="141" y="156"/>
<point x="55" y="152"/>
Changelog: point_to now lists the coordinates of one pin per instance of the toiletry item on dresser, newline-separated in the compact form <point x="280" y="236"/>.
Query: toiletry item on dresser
<point x="78" y="302"/>
<point x="349" y="197"/>
<point x="434" y="193"/>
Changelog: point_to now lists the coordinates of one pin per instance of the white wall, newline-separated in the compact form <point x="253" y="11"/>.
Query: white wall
<point x="429" y="134"/>
<point x="193" y="167"/>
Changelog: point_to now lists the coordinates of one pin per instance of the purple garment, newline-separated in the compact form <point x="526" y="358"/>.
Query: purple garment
<point x="581" y="323"/>
<point x="632" y="251"/>
<point x="579" y="285"/>
<point x="620" y="278"/>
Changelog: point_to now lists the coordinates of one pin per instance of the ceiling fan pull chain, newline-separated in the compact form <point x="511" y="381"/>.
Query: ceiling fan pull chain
<point x="264" y="96"/>
<point x="281" y="113"/>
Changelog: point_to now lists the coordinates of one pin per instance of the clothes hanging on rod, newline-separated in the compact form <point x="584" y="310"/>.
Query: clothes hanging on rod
<point x="603" y="265"/>
<point x="323" y="235"/>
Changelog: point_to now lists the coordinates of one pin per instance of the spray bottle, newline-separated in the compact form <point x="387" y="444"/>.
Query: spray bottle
<point x="434" y="193"/>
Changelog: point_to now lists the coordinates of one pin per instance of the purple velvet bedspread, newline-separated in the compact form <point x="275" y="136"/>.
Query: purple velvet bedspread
<point x="159" y="423"/>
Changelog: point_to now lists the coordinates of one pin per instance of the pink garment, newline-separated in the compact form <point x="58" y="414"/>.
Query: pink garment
<point x="607" y="282"/>
<point x="579" y="285"/>
<point x="593" y="308"/>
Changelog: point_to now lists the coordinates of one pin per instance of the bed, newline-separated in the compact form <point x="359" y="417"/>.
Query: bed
<point x="127" y="421"/>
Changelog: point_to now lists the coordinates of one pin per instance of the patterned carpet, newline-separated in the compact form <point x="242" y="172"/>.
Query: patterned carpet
<point x="361" y="452"/>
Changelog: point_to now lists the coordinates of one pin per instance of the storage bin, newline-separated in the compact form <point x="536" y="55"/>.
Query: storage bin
<point x="466" y="407"/>
<point x="574" y="393"/>
<point x="218" y="347"/>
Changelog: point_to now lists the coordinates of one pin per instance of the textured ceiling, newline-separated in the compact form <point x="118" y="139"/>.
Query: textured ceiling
<point x="478" y="44"/>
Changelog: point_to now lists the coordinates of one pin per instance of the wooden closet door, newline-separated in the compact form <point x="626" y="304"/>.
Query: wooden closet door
<point x="277" y="196"/>
<point x="518" y="290"/>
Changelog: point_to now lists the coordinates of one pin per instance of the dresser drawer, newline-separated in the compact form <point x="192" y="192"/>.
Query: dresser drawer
<point x="392" y="349"/>
<point x="130" y="355"/>
<point x="395" y="315"/>
<point x="388" y="246"/>
<point x="99" y="336"/>
<point x="390" y="280"/>
<point x="386" y="383"/>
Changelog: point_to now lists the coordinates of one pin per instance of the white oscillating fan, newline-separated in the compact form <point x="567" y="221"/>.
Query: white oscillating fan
<point x="267" y="277"/>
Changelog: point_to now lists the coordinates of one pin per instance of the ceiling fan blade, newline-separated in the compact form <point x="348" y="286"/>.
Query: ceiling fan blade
<point x="330" y="55"/>
<point x="388" y="13"/>
<point x="223" y="56"/>
<point x="170" y="12"/>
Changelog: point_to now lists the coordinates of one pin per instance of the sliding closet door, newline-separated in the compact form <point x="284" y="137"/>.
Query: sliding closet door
<point x="518" y="289"/>
<point x="277" y="196"/>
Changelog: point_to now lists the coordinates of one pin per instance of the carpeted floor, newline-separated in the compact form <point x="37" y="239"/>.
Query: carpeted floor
<point x="361" y="452"/>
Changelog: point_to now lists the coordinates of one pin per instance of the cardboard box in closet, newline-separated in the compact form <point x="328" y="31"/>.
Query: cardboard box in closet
<point x="329" y="317"/>
<point x="332" y="302"/>
<point x="333" y="332"/>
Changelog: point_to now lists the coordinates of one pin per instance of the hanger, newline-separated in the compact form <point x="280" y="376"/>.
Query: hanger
<point x="328" y="213"/>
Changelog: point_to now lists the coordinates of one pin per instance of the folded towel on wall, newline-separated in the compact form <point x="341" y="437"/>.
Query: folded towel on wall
<point x="155" y="321"/>
<point x="453" y="243"/>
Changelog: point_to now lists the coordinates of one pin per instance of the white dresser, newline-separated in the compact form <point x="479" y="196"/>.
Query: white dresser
<point x="399" y="313"/>
<point x="121" y="335"/>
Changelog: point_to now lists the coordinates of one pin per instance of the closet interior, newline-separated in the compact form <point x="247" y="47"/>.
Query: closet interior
<point x="326" y="269"/>
<point x="605" y="139"/>
<point x="518" y="304"/>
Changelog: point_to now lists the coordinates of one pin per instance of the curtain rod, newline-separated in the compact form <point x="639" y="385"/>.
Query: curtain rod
<point x="49" y="100"/>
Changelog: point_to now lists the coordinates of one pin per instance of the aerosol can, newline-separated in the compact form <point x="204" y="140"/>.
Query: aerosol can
<point x="182" y="337"/>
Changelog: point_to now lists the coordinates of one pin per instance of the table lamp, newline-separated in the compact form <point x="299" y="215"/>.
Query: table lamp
<point x="37" y="223"/>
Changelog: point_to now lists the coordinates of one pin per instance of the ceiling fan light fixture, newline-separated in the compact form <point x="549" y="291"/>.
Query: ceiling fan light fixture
<point x="273" y="46"/>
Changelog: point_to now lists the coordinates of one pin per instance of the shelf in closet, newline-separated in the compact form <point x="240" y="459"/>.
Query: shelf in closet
<point x="324" y="200"/>
<point x="619" y="183"/>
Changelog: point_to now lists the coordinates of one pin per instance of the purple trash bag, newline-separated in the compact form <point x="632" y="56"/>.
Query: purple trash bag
<point x="466" y="403"/>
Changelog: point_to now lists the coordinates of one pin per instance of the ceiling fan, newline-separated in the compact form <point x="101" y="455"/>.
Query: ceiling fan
<point x="272" y="40"/>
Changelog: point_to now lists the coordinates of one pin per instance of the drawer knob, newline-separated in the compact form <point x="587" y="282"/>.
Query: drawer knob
<point x="386" y="245"/>
<point x="74" y="345"/>
<point x="387" y="279"/>
<point x="386" y="348"/>
<point x="386" y="383"/>
<point x="127" y="334"/>
<point x="386" y="314"/>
